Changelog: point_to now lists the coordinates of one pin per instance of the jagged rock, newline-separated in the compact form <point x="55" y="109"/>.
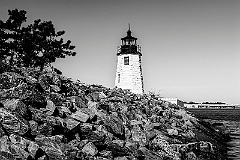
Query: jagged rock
<point x="121" y="143"/>
<point x="74" y="143"/>
<point x="5" y="152"/>
<point x="63" y="112"/>
<point x="114" y="125"/>
<point x="72" y="125"/>
<point x="34" y="127"/>
<point x="55" y="88"/>
<point x="102" y="95"/>
<point x="57" y="98"/>
<point x="62" y="119"/>
<point x="80" y="116"/>
<point x="47" y="79"/>
<point x="106" y="154"/>
<point x="140" y="137"/>
<point x="11" y="123"/>
<point x="38" y="115"/>
<point x="95" y="96"/>
<point x="51" y="146"/>
<point x="205" y="146"/>
<point x="121" y="158"/>
<point x="117" y="150"/>
<point x="45" y="129"/>
<point x="24" y="148"/>
<point x="15" y="106"/>
<point x="90" y="111"/>
<point x="90" y="149"/>
<point x="79" y="101"/>
<point x="172" y="132"/>
<point x="50" y="107"/>
<point x="15" y="146"/>
<point x="101" y="158"/>
<point x="10" y="79"/>
<point x="21" y="91"/>
<point x="150" y="155"/>
<point x="82" y="143"/>
<point x="191" y="156"/>
<point x="94" y="136"/>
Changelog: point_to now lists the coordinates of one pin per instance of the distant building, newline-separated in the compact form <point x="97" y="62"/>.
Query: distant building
<point x="191" y="105"/>
<point x="129" y="67"/>
<point x="174" y="101"/>
<point x="210" y="105"/>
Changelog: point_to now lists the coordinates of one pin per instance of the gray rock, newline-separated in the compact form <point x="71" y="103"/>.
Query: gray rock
<point x="90" y="149"/>
<point x="50" y="107"/>
<point x="80" y="116"/>
<point x="51" y="146"/>
<point x="114" y="125"/>
<point x="11" y="123"/>
<point x="72" y="125"/>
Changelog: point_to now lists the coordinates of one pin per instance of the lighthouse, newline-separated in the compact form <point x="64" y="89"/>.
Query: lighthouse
<point x="129" y="68"/>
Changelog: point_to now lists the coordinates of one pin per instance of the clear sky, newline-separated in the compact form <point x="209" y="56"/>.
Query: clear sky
<point x="191" y="48"/>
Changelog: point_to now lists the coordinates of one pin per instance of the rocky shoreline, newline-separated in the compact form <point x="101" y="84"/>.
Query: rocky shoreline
<point x="46" y="116"/>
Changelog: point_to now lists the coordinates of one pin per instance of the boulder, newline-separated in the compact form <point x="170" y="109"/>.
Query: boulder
<point x="15" y="106"/>
<point x="114" y="125"/>
<point x="50" y="107"/>
<point x="191" y="156"/>
<point x="106" y="154"/>
<point x="12" y="124"/>
<point x="45" y="115"/>
<point x="72" y="125"/>
<point x="90" y="149"/>
<point x="51" y="146"/>
<point x="80" y="116"/>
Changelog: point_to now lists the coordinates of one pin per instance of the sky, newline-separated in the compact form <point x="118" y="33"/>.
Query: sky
<point x="190" y="48"/>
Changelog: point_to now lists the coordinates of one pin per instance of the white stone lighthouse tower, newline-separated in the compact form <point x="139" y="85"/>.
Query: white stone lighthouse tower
<point x="129" y="69"/>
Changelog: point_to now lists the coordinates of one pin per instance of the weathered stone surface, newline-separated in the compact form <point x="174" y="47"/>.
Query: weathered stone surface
<point x="80" y="116"/>
<point x="10" y="79"/>
<point x="172" y="132"/>
<point x="72" y="124"/>
<point x="11" y="123"/>
<point x="15" y="106"/>
<point x="63" y="112"/>
<point x="34" y="127"/>
<point x="62" y="119"/>
<point x="106" y="154"/>
<point x="150" y="155"/>
<point x="24" y="148"/>
<point x="51" y="146"/>
<point x="191" y="156"/>
<point x="38" y="115"/>
<point x="90" y="149"/>
<point x="50" y="107"/>
<point x="121" y="158"/>
<point x="114" y="125"/>
<point x="45" y="129"/>
<point x="140" y="137"/>
<point x="55" y="88"/>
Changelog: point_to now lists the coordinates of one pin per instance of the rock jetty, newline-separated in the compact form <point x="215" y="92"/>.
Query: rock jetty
<point x="46" y="116"/>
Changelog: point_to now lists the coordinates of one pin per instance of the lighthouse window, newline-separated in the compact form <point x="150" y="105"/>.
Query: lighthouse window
<point x="118" y="78"/>
<point x="126" y="60"/>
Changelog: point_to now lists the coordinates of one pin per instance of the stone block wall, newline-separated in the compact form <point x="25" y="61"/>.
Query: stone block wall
<point x="129" y="76"/>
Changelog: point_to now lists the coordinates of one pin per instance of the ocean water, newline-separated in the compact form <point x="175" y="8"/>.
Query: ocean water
<point x="234" y="145"/>
<point x="231" y="119"/>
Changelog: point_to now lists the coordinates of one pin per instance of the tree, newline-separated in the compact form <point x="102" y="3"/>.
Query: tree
<point x="35" y="45"/>
<point x="10" y="37"/>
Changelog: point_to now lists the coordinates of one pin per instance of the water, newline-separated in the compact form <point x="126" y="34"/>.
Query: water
<point x="231" y="119"/>
<point x="234" y="145"/>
